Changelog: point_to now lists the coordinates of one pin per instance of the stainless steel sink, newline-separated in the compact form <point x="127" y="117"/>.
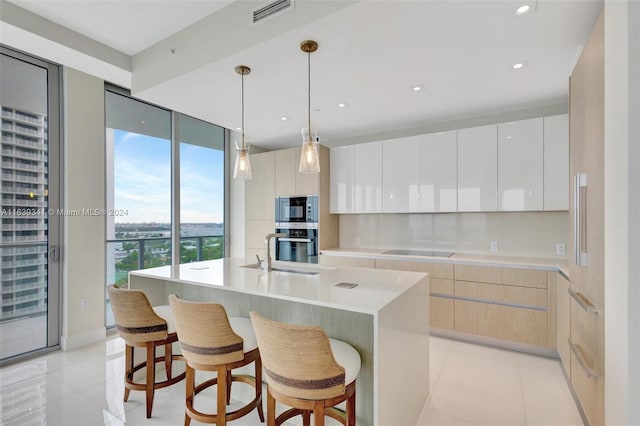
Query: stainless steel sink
<point x="275" y="268"/>
<point x="419" y="253"/>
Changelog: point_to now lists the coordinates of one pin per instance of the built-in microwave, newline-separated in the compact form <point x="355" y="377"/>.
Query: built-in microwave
<point x="296" y="210"/>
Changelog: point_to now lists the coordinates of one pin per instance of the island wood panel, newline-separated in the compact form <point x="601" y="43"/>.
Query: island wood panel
<point x="508" y="276"/>
<point x="360" y="262"/>
<point x="441" y="313"/>
<point x="434" y="269"/>
<point x="501" y="321"/>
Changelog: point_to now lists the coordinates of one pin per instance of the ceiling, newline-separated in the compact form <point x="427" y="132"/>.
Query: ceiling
<point x="370" y="55"/>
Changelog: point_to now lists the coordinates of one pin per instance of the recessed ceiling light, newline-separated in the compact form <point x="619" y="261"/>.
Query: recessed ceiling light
<point x="142" y="122"/>
<point x="342" y="105"/>
<point x="519" y="65"/>
<point x="417" y="87"/>
<point x="284" y="118"/>
<point x="523" y="9"/>
<point x="238" y="128"/>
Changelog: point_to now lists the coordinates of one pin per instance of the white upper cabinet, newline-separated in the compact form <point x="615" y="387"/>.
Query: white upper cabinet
<point x="367" y="186"/>
<point x="436" y="167"/>
<point x="342" y="179"/>
<point x="520" y="165"/>
<point x="556" y="162"/>
<point x="477" y="169"/>
<point x="419" y="173"/>
<point x="399" y="177"/>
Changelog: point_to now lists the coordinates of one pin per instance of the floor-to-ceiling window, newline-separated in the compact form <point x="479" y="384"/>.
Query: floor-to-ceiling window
<point x="165" y="172"/>
<point x="29" y="224"/>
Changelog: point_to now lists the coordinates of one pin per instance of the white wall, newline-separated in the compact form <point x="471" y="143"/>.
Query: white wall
<point x="622" y="212"/>
<point x="83" y="251"/>
<point x="519" y="234"/>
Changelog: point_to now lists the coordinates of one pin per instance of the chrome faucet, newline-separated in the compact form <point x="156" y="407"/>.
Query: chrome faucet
<point x="265" y="265"/>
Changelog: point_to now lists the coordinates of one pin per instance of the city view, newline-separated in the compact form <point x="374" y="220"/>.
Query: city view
<point x="198" y="241"/>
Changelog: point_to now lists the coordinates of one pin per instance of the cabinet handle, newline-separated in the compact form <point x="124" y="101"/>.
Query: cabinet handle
<point x="591" y="373"/>
<point x="295" y="240"/>
<point x="583" y="301"/>
<point x="580" y="219"/>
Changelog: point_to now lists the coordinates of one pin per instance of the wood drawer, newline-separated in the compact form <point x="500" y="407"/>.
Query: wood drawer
<point x="435" y="270"/>
<point x="503" y="294"/>
<point x="516" y="314"/>
<point x="587" y="331"/>
<point x="588" y="389"/>
<point x="361" y="262"/>
<point x="508" y="276"/>
<point x="441" y="314"/>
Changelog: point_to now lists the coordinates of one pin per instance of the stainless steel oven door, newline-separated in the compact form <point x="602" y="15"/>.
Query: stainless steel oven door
<point x="299" y="245"/>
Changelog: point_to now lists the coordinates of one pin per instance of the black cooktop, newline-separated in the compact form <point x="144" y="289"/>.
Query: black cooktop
<point x="420" y="253"/>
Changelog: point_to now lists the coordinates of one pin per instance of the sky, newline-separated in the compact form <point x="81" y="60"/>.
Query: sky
<point x="142" y="187"/>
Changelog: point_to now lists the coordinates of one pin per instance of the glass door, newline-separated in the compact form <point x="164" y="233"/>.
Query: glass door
<point x="29" y="270"/>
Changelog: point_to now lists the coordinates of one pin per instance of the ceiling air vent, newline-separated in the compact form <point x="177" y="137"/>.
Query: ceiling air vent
<point x="271" y="9"/>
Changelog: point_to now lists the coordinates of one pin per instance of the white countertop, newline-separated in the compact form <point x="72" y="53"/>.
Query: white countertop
<point x="559" y="265"/>
<point x="376" y="288"/>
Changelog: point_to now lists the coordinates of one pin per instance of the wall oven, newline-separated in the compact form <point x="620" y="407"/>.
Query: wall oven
<point x="297" y="209"/>
<point x="297" y="218"/>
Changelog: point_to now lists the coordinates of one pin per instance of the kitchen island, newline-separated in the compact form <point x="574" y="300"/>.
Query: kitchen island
<point x="385" y="317"/>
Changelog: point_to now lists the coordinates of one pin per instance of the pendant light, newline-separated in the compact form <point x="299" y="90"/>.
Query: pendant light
<point x="309" y="161"/>
<point x="242" y="169"/>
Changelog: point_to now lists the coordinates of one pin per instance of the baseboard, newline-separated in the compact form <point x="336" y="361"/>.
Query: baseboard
<point x="495" y="343"/>
<point x="68" y="343"/>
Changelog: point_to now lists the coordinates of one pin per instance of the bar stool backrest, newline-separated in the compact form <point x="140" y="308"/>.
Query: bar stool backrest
<point x="298" y="360"/>
<point x="136" y="320"/>
<point x="205" y="334"/>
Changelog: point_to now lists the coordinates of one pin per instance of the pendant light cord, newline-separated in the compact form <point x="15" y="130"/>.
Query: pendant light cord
<point x="242" y="103"/>
<point x="309" y="92"/>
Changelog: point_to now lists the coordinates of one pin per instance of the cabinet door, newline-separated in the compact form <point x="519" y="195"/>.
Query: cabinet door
<point x="399" y="178"/>
<point x="260" y="190"/>
<point x="436" y="165"/>
<point x="520" y="165"/>
<point x="367" y="182"/>
<point x="556" y="162"/>
<point x="341" y="179"/>
<point x="563" y="322"/>
<point x="285" y="172"/>
<point x="478" y="169"/>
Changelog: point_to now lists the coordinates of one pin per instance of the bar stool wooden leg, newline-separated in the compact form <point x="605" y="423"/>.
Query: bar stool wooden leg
<point x="229" y="381"/>
<point x="351" y="410"/>
<point x="151" y="374"/>
<point x="306" y="418"/>
<point x="271" y="409"/>
<point x="221" y="414"/>
<point x="318" y="413"/>
<point x="189" y="391"/>
<point x="128" y="365"/>
<point x="258" y="376"/>
<point x="168" y="357"/>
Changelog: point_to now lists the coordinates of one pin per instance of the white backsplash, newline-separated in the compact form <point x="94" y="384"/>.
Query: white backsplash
<point x="533" y="234"/>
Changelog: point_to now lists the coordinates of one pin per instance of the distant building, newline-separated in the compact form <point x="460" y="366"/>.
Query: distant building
<point x="23" y="253"/>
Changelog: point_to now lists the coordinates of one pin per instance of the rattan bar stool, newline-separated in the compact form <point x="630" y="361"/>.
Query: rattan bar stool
<point x="141" y="325"/>
<point x="211" y="341"/>
<point x="307" y="371"/>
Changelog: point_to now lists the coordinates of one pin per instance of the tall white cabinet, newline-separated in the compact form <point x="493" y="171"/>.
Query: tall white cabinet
<point x="477" y="169"/>
<point x="520" y="165"/>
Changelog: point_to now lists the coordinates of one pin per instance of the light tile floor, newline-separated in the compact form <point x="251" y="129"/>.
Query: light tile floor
<point x="470" y="385"/>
